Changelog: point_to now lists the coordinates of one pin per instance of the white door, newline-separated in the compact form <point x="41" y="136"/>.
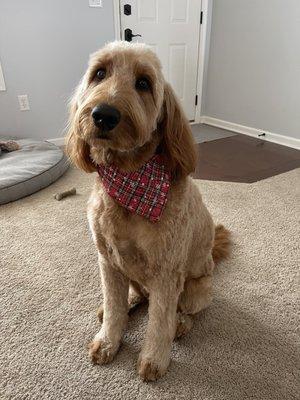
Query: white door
<point x="172" y="29"/>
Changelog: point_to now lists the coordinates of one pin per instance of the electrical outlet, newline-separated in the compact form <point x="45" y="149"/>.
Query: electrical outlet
<point x="95" y="3"/>
<point x="23" y="102"/>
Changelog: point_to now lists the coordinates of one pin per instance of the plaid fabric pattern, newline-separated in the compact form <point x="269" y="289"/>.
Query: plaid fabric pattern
<point x="143" y="192"/>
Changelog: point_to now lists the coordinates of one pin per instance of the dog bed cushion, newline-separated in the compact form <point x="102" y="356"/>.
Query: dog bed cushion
<point x="31" y="168"/>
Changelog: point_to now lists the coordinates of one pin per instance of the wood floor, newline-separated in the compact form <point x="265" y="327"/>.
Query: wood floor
<point x="241" y="158"/>
<point x="206" y="133"/>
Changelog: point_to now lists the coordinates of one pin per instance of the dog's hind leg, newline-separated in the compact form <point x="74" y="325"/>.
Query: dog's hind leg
<point x="135" y="298"/>
<point x="184" y="324"/>
<point x="196" y="296"/>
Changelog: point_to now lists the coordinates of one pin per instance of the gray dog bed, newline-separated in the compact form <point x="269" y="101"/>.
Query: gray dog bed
<point x="36" y="165"/>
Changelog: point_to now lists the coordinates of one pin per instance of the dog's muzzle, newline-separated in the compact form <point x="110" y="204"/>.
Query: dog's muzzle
<point x="105" y="117"/>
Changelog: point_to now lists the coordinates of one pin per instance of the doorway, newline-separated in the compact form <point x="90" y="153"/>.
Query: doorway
<point x="173" y="29"/>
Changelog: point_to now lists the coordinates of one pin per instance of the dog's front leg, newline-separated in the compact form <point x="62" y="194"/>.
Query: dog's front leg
<point x="155" y="355"/>
<point x="115" y="292"/>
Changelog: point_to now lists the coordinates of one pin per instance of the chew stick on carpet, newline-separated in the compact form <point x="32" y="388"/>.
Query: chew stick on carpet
<point x="62" y="195"/>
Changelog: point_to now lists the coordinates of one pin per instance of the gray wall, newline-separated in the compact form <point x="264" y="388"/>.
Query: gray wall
<point x="254" y="66"/>
<point x="44" y="48"/>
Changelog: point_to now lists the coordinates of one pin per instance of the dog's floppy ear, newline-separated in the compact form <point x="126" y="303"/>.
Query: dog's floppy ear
<point x="177" y="141"/>
<point x="77" y="149"/>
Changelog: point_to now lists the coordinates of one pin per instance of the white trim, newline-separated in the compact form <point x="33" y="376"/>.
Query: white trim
<point x="2" y="82"/>
<point x="201" y="121"/>
<point x="230" y="126"/>
<point x="254" y="132"/>
<point x="57" y="141"/>
<point x="201" y="58"/>
<point x="117" y="20"/>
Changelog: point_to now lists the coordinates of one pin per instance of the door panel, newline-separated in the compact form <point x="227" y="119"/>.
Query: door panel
<point x="147" y="11"/>
<point x="177" y="63"/>
<point x="171" y="28"/>
<point x="179" y="10"/>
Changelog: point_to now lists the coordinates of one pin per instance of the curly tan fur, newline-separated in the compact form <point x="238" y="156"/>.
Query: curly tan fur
<point x="222" y="243"/>
<point x="169" y="262"/>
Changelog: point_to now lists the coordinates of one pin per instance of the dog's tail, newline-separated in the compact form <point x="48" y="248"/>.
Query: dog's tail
<point x="222" y="244"/>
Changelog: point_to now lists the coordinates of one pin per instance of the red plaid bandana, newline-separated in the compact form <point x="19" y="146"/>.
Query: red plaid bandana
<point x="143" y="192"/>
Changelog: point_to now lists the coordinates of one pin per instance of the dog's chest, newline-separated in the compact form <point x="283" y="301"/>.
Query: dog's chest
<point x="123" y="239"/>
<point x="127" y="253"/>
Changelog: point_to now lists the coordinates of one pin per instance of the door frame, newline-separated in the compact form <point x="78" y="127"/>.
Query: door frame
<point x="2" y="81"/>
<point x="206" y="8"/>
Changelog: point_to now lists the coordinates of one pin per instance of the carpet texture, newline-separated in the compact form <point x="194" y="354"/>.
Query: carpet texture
<point x="245" y="346"/>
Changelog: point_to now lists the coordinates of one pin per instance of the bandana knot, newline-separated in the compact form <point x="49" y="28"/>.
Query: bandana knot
<point x="143" y="192"/>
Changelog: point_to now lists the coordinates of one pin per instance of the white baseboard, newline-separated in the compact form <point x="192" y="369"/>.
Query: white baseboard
<point x="57" y="141"/>
<point x="246" y="130"/>
<point x="231" y="126"/>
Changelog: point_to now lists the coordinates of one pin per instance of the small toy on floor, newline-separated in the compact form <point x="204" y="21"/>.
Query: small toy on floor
<point x="62" y="195"/>
<point x="9" y="145"/>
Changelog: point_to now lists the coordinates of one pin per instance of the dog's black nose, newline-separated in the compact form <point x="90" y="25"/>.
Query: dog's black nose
<point x="106" y="117"/>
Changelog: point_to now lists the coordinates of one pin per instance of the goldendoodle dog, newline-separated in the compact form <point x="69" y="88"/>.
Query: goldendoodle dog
<point x="154" y="236"/>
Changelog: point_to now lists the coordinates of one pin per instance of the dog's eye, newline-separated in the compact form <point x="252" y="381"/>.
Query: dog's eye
<point x="100" y="74"/>
<point x="143" y="84"/>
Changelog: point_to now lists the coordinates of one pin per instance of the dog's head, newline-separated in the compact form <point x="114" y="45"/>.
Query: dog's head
<point x="123" y="111"/>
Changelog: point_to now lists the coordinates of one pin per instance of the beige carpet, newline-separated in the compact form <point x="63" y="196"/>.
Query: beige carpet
<point x="245" y="346"/>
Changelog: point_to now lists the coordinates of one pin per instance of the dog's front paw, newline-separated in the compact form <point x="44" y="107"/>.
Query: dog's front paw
<point x="102" y="351"/>
<point x="150" y="370"/>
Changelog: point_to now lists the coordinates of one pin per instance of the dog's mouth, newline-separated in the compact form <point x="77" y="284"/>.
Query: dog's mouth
<point x="103" y="134"/>
<point x="123" y="137"/>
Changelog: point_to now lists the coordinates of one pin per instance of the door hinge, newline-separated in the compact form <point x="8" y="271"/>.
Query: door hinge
<point x="201" y="17"/>
<point x="196" y="100"/>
